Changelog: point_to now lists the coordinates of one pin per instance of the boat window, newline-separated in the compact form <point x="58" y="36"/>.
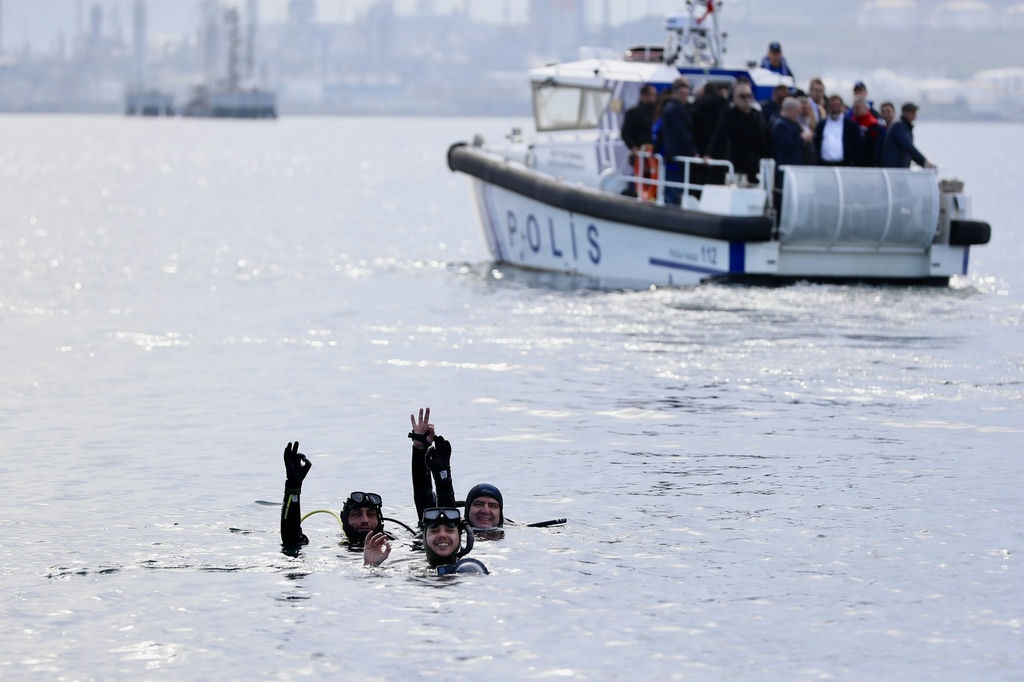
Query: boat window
<point x="567" y="107"/>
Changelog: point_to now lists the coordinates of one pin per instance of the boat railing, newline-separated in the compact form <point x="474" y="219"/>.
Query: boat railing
<point x="651" y="170"/>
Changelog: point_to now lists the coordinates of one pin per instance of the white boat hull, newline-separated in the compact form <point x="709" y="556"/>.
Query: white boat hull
<point x="528" y="232"/>
<point x="554" y="201"/>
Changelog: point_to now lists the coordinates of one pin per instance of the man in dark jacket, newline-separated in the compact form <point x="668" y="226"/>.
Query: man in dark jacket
<point x="837" y="138"/>
<point x="636" y="124"/>
<point x="870" y="131"/>
<point x="789" y="139"/>
<point x="887" y="119"/>
<point x="775" y="61"/>
<point x="898" y="149"/>
<point x="676" y="136"/>
<point x="742" y="136"/>
<point x="787" y="135"/>
<point x="707" y="112"/>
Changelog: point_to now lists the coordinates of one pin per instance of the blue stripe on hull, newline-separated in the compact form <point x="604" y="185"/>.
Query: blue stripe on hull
<point x="737" y="257"/>
<point x="737" y="262"/>
<point x="683" y="266"/>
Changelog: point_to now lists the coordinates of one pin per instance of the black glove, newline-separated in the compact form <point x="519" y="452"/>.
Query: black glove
<point x="296" y="465"/>
<point x="439" y="457"/>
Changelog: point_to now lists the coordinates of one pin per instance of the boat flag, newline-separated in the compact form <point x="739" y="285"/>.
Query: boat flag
<point x="709" y="7"/>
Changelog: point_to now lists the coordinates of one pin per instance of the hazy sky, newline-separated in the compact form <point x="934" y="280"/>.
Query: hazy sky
<point x="40" y="22"/>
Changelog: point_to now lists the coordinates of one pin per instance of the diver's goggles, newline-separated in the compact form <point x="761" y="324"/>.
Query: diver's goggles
<point x="358" y="497"/>
<point x="437" y="515"/>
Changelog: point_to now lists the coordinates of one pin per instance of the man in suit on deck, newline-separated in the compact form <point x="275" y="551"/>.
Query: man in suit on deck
<point x="837" y="138"/>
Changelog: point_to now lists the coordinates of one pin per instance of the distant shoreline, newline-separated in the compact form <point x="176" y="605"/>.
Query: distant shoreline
<point x="928" y="115"/>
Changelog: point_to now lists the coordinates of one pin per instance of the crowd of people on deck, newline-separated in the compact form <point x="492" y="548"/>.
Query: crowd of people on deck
<point x="723" y="121"/>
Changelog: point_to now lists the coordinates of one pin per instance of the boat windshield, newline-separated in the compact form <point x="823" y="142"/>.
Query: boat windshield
<point x="567" y="107"/>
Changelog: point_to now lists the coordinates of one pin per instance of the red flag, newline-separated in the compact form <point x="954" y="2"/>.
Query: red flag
<point x="709" y="8"/>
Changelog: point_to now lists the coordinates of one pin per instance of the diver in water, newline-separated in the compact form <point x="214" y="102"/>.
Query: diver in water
<point x="485" y="508"/>
<point x="360" y="514"/>
<point x="443" y="528"/>
<point x="431" y="459"/>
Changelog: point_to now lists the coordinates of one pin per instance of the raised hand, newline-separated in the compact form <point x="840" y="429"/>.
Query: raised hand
<point x="296" y="465"/>
<point x="439" y="457"/>
<point x="422" y="433"/>
<point x="376" y="548"/>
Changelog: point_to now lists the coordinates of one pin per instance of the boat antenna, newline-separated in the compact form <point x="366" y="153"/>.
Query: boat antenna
<point x="693" y="40"/>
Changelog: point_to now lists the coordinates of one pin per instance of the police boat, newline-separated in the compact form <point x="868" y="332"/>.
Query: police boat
<point x="553" y="201"/>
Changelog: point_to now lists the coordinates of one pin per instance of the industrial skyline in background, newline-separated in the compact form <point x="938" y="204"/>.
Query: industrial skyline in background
<point x="468" y="57"/>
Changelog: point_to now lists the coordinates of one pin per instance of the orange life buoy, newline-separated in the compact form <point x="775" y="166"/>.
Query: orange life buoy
<point x="646" y="166"/>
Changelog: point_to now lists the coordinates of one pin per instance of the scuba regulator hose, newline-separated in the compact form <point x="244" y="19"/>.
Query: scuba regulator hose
<point x="324" y="511"/>
<point x="342" y="525"/>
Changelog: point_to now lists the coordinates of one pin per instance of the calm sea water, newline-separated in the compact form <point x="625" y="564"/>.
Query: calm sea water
<point x="805" y="483"/>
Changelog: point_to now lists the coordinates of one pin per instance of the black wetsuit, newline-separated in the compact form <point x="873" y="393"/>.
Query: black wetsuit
<point x="291" y="518"/>
<point x="422" y="489"/>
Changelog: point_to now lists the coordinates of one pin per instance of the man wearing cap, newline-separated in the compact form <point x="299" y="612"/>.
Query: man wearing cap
<point x="485" y="506"/>
<point x="898" y="149"/>
<point x="860" y="91"/>
<point x="774" y="61"/>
